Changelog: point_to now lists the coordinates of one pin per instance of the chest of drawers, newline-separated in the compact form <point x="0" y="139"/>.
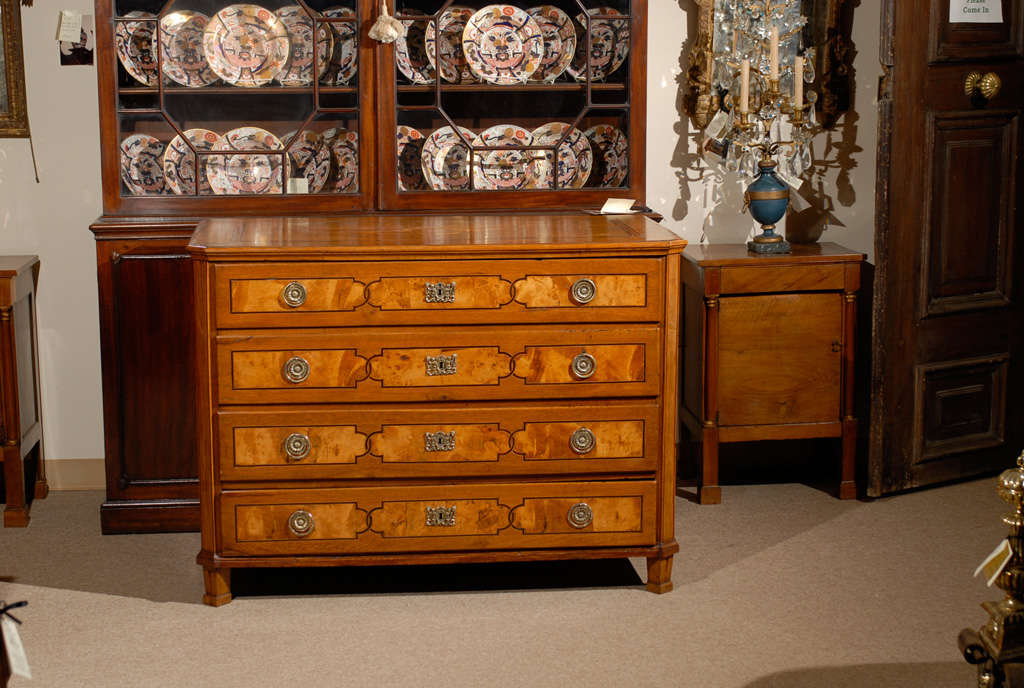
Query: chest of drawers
<point x="382" y="390"/>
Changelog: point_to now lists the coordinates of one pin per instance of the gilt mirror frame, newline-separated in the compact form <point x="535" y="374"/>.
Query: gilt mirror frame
<point x="13" y="108"/>
<point x="828" y="29"/>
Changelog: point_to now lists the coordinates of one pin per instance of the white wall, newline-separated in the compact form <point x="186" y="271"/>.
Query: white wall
<point x="51" y="219"/>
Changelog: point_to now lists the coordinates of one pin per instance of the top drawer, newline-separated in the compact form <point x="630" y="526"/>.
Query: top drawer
<point x="438" y="292"/>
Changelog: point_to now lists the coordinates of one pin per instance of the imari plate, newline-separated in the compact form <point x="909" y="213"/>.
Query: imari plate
<point x="344" y="57"/>
<point x="136" y="48"/>
<point x="505" y="169"/>
<point x="181" y="45"/>
<point x="574" y="159"/>
<point x="344" y="147"/>
<point x="503" y="44"/>
<point x="411" y="52"/>
<point x="251" y="173"/>
<point x="246" y="45"/>
<point x="180" y="161"/>
<point x="559" y="41"/>
<point x="141" y="170"/>
<point x="611" y="155"/>
<point x="445" y="159"/>
<point x="454" y="67"/>
<point x="609" y="45"/>
<point x="409" y="144"/>
<point x="298" y="70"/>
<point x="310" y="158"/>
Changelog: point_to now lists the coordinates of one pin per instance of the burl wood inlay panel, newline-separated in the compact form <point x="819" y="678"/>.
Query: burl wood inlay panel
<point x="269" y="522"/>
<point x="327" y="368"/>
<point x="551" y="515"/>
<point x="408" y="293"/>
<point x="408" y="443"/>
<point x="553" y="364"/>
<point x="266" y="295"/>
<point x="409" y="519"/>
<point x="327" y="445"/>
<point x="411" y="367"/>
<point x="612" y="439"/>
<point x="555" y="291"/>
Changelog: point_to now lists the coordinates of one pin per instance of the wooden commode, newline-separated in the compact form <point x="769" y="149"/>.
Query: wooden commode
<point x="769" y="350"/>
<point x="435" y="389"/>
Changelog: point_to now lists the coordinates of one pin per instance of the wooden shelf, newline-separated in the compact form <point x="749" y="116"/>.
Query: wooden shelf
<point x="221" y="90"/>
<point x="495" y="88"/>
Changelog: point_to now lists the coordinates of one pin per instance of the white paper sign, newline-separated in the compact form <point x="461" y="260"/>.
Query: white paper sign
<point x="618" y="206"/>
<point x="995" y="562"/>
<point x="15" y="650"/>
<point x="976" y="11"/>
<point x="298" y="185"/>
<point x="69" y="26"/>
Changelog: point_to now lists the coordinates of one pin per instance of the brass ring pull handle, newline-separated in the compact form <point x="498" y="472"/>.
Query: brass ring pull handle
<point x="296" y="446"/>
<point x="296" y="370"/>
<point x="301" y="523"/>
<point x="583" y="366"/>
<point x="987" y="85"/>
<point x="580" y="515"/>
<point x="293" y="294"/>
<point x="583" y="291"/>
<point x="582" y="441"/>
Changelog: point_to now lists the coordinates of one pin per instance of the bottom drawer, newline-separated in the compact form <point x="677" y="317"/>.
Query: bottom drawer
<point x="437" y="518"/>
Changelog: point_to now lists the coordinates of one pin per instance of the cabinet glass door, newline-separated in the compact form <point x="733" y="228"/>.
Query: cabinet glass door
<point x="512" y="105"/>
<point x="240" y="106"/>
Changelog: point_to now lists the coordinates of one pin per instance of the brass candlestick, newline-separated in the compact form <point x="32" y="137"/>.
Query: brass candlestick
<point x="1001" y="640"/>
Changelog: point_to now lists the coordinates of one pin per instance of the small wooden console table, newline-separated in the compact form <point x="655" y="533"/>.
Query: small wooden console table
<point x="768" y="350"/>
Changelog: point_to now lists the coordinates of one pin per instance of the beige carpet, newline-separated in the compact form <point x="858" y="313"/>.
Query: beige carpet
<point x="781" y="586"/>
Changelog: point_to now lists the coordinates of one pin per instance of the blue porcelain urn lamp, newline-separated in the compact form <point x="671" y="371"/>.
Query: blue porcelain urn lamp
<point x="767" y="198"/>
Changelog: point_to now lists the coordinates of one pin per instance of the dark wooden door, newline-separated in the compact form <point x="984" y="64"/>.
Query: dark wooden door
<point x="947" y="379"/>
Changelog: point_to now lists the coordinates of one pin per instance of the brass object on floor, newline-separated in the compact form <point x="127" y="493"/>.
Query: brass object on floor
<point x="1000" y="642"/>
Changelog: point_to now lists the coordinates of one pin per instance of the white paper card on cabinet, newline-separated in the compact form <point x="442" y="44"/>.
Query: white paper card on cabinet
<point x="298" y="185"/>
<point x="69" y="26"/>
<point x="976" y="11"/>
<point x="15" y="650"/>
<point x="618" y="206"/>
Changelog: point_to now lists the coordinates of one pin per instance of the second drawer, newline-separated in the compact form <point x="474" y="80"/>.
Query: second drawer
<point x="418" y="441"/>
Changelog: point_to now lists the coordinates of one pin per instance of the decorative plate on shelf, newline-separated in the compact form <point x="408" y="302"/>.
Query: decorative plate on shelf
<point x="136" y="48"/>
<point x="445" y="159"/>
<point x="246" y="45"/>
<point x="344" y="56"/>
<point x="454" y="67"/>
<point x="298" y="70"/>
<point x="344" y="147"/>
<point x="611" y="155"/>
<point x="141" y="170"/>
<point x="310" y="158"/>
<point x="181" y="43"/>
<point x="411" y="51"/>
<point x="180" y="161"/>
<point x="574" y="159"/>
<point x="250" y="173"/>
<point x="559" y="41"/>
<point x="505" y="169"/>
<point x="409" y="144"/>
<point x="609" y="45"/>
<point x="503" y="44"/>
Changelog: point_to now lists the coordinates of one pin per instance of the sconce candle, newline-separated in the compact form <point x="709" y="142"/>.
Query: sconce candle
<point x="774" y="54"/>
<point x="798" y="84"/>
<point x="745" y="85"/>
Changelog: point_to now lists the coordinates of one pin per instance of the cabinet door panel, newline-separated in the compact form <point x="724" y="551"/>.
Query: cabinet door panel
<point x="781" y="361"/>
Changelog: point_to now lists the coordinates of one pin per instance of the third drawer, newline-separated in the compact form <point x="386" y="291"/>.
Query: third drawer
<point x="424" y="441"/>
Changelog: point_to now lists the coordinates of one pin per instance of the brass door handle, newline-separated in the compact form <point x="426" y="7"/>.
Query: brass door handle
<point x="293" y="294"/>
<point x="296" y="446"/>
<point x="987" y="86"/>
<point x="301" y="523"/>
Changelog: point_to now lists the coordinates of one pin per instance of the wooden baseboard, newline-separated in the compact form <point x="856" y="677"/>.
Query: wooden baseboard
<point x="76" y="474"/>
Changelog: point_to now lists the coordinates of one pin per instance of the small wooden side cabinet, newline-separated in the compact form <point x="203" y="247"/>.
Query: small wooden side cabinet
<point x="21" y="428"/>
<point x="768" y="350"/>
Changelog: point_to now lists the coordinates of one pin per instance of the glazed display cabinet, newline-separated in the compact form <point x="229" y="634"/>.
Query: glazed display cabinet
<point x="209" y="108"/>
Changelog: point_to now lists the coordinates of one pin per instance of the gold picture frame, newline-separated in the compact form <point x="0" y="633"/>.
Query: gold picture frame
<point x="828" y="29"/>
<point x="13" y="108"/>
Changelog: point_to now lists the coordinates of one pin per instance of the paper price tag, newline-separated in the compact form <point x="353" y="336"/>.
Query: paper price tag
<point x="793" y="181"/>
<point x="69" y="26"/>
<point x="15" y="650"/>
<point x="298" y="185"/>
<point x="618" y="206"/>
<point x="975" y="11"/>
<point x="995" y="562"/>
